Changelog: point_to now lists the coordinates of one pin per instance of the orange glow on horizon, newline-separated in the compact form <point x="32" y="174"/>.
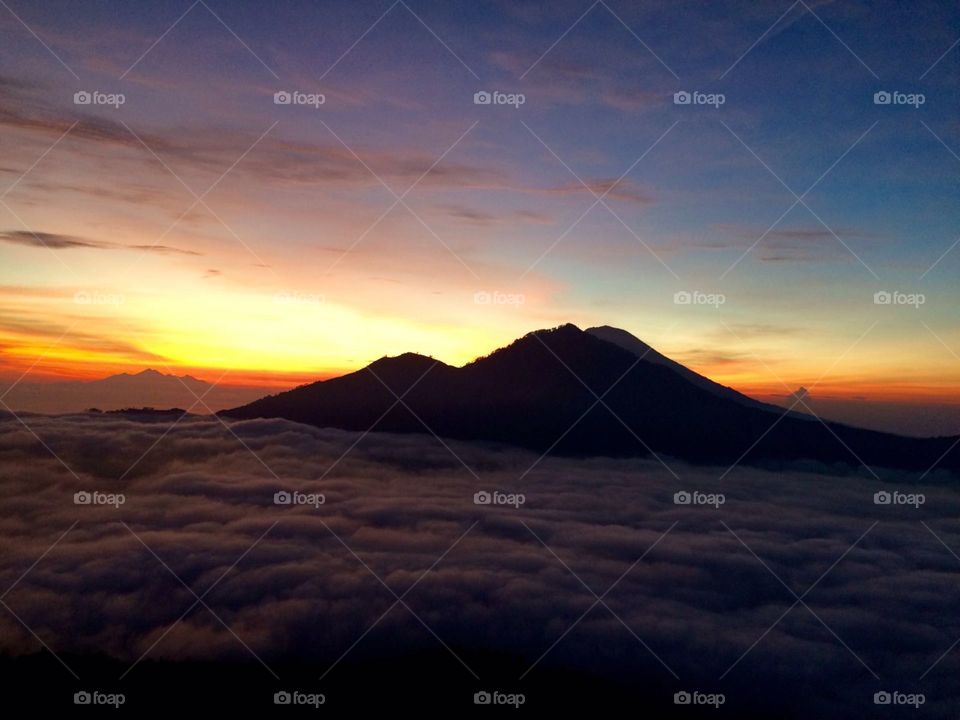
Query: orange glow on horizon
<point x="32" y="362"/>
<point x="246" y="338"/>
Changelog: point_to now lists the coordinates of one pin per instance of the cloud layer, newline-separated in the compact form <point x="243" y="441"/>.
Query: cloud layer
<point x="298" y="583"/>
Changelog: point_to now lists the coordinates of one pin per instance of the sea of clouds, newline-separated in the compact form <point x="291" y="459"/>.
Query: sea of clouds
<point x="704" y="596"/>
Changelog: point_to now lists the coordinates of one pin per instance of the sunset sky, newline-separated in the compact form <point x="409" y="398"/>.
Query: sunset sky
<point x="200" y="227"/>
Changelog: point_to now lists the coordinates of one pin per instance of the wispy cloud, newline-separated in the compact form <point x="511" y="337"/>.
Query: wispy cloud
<point x="624" y="190"/>
<point x="56" y="241"/>
<point x="484" y="217"/>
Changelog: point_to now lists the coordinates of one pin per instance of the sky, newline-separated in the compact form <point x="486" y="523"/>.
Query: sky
<point x="200" y="226"/>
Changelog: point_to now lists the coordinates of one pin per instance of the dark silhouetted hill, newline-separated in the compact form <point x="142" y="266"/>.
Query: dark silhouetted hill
<point x="541" y="392"/>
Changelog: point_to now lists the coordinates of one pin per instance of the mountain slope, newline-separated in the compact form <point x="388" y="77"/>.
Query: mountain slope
<point x="639" y="348"/>
<point x="569" y="392"/>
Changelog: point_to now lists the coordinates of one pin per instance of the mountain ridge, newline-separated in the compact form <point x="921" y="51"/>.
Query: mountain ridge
<point x="568" y="391"/>
<point x="146" y="388"/>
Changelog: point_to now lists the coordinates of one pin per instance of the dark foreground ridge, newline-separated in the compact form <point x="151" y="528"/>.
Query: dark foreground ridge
<point x="582" y="393"/>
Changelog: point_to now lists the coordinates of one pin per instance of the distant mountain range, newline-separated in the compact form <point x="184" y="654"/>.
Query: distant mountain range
<point x="596" y="392"/>
<point x="148" y="388"/>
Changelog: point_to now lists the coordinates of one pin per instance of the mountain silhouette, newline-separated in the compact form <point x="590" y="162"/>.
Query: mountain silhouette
<point x="579" y="393"/>
<point x="147" y="388"/>
<point x="636" y="346"/>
